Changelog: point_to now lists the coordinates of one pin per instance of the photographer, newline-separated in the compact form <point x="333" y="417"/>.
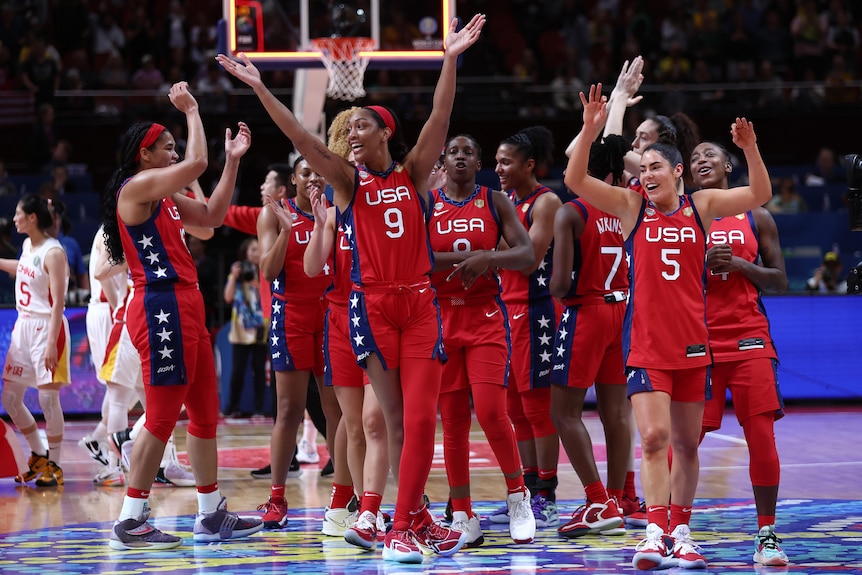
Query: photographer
<point x="248" y="329"/>
<point x="827" y="278"/>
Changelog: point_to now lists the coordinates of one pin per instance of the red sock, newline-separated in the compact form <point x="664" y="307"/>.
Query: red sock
<point x="764" y="520"/>
<point x="420" y="518"/>
<point x="679" y="515"/>
<point x="371" y="502"/>
<point x="617" y="494"/>
<point x="657" y="514"/>
<point x="515" y="484"/>
<point x="341" y="496"/>
<point x="137" y="493"/>
<point x="549" y="476"/>
<point x="209" y="488"/>
<point x="629" y="486"/>
<point x="463" y="504"/>
<point x="277" y="492"/>
<point x="596" y="492"/>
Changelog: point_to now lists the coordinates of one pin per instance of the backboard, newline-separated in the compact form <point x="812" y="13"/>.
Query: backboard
<point x="278" y="33"/>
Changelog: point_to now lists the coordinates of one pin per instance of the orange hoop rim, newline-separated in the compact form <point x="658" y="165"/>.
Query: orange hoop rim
<point x="343" y="48"/>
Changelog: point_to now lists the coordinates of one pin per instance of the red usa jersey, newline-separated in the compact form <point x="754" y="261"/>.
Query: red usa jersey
<point x="518" y="288"/>
<point x="738" y="326"/>
<point x="343" y="258"/>
<point x="385" y="224"/>
<point x="292" y="282"/>
<point x="32" y="283"/>
<point x="665" y="323"/>
<point x="600" y="265"/>
<point x="472" y="224"/>
<point x="156" y="250"/>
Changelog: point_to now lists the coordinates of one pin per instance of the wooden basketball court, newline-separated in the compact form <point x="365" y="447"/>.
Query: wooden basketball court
<point x="65" y="530"/>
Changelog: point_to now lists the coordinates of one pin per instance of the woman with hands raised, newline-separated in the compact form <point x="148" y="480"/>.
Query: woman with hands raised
<point x="665" y="343"/>
<point x="144" y="211"/>
<point x="396" y="336"/>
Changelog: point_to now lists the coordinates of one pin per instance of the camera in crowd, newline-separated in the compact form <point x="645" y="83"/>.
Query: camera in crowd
<point x="248" y="272"/>
<point x="854" y="190"/>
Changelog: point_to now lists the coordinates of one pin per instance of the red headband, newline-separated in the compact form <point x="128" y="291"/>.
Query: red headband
<point x="385" y="115"/>
<point x="150" y="138"/>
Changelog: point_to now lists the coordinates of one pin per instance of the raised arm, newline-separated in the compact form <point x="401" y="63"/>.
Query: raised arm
<point x="322" y="240"/>
<point x="9" y="266"/>
<point x="617" y="201"/>
<point x="722" y="203"/>
<point x="211" y="214"/>
<point x="337" y="171"/>
<point x="198" y="195"/>
<point x="273" y="233"/>
<point x="151" y="185"/>
<point x="432" y="138"/>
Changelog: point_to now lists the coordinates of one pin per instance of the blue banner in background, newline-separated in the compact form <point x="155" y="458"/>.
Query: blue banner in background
<point x="819" y="340"/>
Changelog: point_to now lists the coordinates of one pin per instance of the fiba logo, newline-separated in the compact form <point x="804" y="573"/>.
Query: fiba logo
<point x="428" y="26"/>
<point x="244" y="25"/>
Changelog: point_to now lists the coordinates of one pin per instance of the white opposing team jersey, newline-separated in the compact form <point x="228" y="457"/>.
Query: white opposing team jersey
<point x="32" y="286"/>
<point x="117" y="284"/>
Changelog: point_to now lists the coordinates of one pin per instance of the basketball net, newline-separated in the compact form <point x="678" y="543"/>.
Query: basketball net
<point x="345" y="65"/>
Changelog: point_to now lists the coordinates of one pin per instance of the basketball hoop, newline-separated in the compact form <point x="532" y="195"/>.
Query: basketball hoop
<point x="345" y="65"/>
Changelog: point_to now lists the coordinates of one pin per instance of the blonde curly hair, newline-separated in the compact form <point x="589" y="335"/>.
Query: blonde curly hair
<point x="337" y="133"/>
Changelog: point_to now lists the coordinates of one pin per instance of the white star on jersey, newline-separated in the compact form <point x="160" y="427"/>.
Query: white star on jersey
<point x="354" y="301"/>
<point x="161" y="272"/>
<point x="162" y="316"/>
<point x="545" y="356"/>
<point x="355" y="319"/>
<point x="165" y="335"/>
<point x="274" y="339"/>
<point x="566" y="315"/>
<point x="326" y="269"/>
<point x="348" y="231"/>
<point x="542" y="281"/>
<point x="544" y="322"/>
<point x="275" y="284"/>
<point x="146" y="241"/>
<point x="560" y="351"/>
<point x="563" y="333"/>
<point x="543" y="265"/>
<point x="359" y="340"/>
<point x="166" y="353"/>
<point x="276" y="308"/>
<point x="544" y="339"/>
<point x="153" y="257"/>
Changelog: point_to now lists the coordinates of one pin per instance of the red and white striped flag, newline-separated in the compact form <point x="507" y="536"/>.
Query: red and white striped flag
<point x="13" y="461"/>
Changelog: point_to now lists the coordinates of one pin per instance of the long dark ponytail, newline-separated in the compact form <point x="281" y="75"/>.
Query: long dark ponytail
<point x="128" y="157"/>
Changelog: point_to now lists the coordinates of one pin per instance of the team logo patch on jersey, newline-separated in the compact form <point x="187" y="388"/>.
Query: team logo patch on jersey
<point x="479" y="203"/>
<point x="37" y="261"/>
<point x="687" y="211"/>
<point x="294" y="216"/>
<point x="363" y="175"/>
<point x="398" y="169"/>
<point x="649" y="212"/>
<point x="740" y="217"/>
<point x="525" y="207"/>
<point x="438" y="206"/>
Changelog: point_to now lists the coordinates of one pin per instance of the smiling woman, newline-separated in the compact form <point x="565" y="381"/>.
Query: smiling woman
<point x="666" y="363"/>
<point x="401" y="352"/>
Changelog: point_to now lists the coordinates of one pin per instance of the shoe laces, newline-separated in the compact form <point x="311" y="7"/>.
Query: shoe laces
<point x="364" y="524"/>
<point x="685" y="545"/>
<point x="521" y="510"/>
<point x="435" y="532"/>
<point x="769" y="541"/>
<point x="652" y="541"/>
<point x="539" y="504"/>
<point x="267" y="506"/>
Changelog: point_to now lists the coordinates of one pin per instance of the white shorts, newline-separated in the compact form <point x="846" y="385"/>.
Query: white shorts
<point x="99" y="322"/>
<point x="25" y="361"/>
<point x="122" y="361"/>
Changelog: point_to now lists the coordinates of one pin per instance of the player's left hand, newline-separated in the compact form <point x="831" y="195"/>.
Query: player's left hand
<point x="237" y="147"/>
<point x="743" y="134"/>
<point x="471" y="268"/>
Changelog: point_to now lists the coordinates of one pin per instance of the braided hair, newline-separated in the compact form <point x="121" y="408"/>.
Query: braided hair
<point x="533" y="143"/>
<point x="130" y="145"/>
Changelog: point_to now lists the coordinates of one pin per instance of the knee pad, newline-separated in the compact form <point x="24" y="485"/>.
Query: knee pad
<point x="49" y="400"/>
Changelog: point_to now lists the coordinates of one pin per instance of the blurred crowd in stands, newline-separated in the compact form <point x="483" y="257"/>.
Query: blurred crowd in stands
<point x="117" y="58"/>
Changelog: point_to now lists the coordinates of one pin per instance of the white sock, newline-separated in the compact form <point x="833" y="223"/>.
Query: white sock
<point x="208" y="502"/>
<point x="37" y="446"/>
<point x="133" y="508"/>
